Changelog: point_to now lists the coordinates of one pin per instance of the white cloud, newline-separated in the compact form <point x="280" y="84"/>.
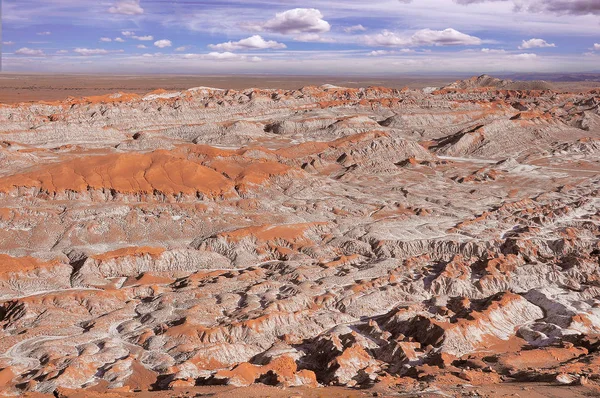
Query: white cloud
<point x="44" y="33"/>
<point x="535" y="43"/>
<point x="62" y="52"/>
<point x="8" y="43"/>
<point x="387" y="39"/>
<point x="424" y="37"/>
<point x="355" y="28"/>
<point x="126" y="7"/>
<point x="193" y="56"/>
<point x="105" y="39"/>
<point x="297" y="21"/>
<point x="127" y="33"/>
<point x="492" y="51"/>
<point x="446" y="37"/>
<point x="313" y="38"/>
<point x="163" y="43"/>
<point x="379" y="53"/>
<point x="29" y="51"/>
<point x="222" y="56"/>
<point x="90" y="51"/>
<point x="525" y="57"/>
<point x="597" y="46"/>
<point x="141" y="46"/>
<point x="255" y="42"/>
<point x="144" y="38"/>
<point x="119" y="40"/>
<point x="182" y="48"/>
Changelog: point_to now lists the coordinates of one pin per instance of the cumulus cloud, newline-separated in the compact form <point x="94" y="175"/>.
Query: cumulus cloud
<point x="535" y="43"/>
<point x="141" y="46"/>
<point x="446" y="37"/>
<point x="255" y="42"/>
<point x="181" y="49"/>
<point x="127" y="33"/>
<point x="126" y="7"/>
<point x="597" y="46"/>
<point x="354" y="29"/>
<point x="105" y="39"/>
<point x="424" y="37"/>
<point x="297" y="21"/>
<point x="119" y="40"/>
<point x="29" y="51"/>
<point x="163" y="43"/>
<point x="90" y="51"/>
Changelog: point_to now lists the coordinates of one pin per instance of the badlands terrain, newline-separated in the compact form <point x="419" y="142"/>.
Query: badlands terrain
<point x="322" y="241"/>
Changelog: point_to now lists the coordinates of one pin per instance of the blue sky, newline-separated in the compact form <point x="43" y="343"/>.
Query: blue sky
<point x="375" y="37"/>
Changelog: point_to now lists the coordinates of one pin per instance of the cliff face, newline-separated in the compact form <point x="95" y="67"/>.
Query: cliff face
<point x="322" y="236"/>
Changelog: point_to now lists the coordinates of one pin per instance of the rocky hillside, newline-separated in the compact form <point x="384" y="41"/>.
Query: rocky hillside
<point x="486" y="81"/>
<point x="402" y="240"/>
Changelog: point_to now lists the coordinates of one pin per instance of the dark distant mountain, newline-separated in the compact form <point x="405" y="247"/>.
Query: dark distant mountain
<point x="556" y="77"/>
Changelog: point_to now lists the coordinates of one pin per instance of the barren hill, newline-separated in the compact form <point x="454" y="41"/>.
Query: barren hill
<point x="486" y="81"/>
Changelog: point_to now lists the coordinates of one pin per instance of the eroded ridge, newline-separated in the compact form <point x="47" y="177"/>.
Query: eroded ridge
<point x="402" y="239"/>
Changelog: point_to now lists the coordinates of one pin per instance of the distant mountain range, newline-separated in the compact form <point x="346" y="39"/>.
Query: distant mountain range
<point x="555" y="77"/>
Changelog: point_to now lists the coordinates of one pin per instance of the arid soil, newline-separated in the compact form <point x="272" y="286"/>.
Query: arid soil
<point x="323" y="241"/>
<point x="505" y="390"/>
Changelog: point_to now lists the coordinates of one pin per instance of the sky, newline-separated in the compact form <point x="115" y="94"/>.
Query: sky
<point x="321" y="37"/>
